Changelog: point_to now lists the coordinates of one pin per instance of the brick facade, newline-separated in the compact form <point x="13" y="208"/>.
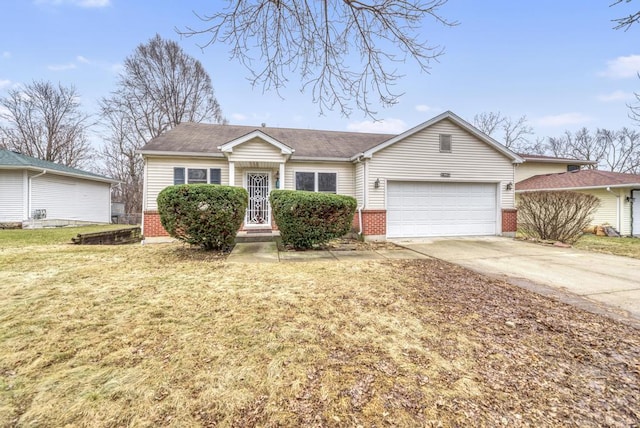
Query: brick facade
<point x="152" y="226"/>
<point x="509" y="220"/>
<point x="374" y="222"/>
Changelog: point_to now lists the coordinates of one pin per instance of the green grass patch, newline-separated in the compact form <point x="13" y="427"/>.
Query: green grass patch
<point x="49" y="236"/>
<point x="628" y="247"/>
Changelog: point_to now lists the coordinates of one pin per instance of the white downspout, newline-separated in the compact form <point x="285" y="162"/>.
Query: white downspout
<point x="618" y="221"/>
<point x="30" y="185"/>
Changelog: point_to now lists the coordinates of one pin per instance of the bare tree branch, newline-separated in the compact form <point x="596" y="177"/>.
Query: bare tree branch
<point x="626" y="21"/>
<point x="512" y="133"/>
<point x="161" y="86"/>
<point x="345" y="51"/>
<point x="45" y="121"/>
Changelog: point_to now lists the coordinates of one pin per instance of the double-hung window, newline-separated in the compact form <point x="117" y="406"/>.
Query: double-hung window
<point x="196" y="175"/>
<point x="326" y="182"/>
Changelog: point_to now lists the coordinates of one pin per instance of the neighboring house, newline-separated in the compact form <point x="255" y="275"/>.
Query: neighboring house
<point x="33" y="189"/>
<point x="441" y="178"/>
<point x="539" y="165"/>
<point x="619" y="194"/>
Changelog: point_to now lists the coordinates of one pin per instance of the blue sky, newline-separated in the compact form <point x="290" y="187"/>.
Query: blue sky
<point x="560" y="63"/>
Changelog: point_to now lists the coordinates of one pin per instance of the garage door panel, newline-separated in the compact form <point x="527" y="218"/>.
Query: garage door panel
<point x="417" y="209"/>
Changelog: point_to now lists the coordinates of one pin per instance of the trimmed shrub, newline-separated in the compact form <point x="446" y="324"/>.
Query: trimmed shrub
<point x="306" y="219"/>
<point x="206" y="215"/>
<point x="555" y="215"/>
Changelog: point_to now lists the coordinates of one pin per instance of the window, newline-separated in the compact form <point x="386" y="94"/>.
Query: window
<point x="214" y="176"/>
<point x="317" y="181"/>
<point x="196" y="175"/>
<point x="445" y="143"/>
<point x="327" y="182"/>
<point x="178" y="175"/>
<point x="571" y="168"/>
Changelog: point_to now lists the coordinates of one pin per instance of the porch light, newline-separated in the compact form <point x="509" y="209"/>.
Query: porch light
<point x="376" y="183"/>
<point x="509" y="186"/>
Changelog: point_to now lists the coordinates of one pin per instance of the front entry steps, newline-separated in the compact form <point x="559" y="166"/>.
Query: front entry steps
<point x="257" y="235"/>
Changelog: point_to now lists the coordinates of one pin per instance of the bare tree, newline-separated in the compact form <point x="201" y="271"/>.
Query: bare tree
<point x="579" y="145"/>
<point x="345" y="51"/>
<point x="44" y="121"/>
<point x="627" y="21"/>
<point x="161" y="86"/>
<point x="617" y="151"/>
<point x="510" y="132"/>
<point x="623" y="153"/>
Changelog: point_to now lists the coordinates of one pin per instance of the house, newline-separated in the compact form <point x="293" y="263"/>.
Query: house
<point x="441" y="178"/>
<point x="541" y="165"/>
<point x="35" y="190"/>
<point x="619" y="194"/>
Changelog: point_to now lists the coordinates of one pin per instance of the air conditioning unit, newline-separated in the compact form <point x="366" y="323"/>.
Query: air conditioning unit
<point x="39" y="214"/>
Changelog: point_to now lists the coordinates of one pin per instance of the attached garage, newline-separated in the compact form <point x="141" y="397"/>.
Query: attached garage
<point x="422" y="209"/>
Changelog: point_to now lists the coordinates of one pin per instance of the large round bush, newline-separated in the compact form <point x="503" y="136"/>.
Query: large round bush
<point x="206" y="215"/>
<point x="306" y="219"/>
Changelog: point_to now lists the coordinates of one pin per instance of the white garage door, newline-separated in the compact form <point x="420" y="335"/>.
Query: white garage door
<point x="416" y="209"/>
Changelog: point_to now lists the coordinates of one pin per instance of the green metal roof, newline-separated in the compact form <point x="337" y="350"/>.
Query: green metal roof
<point x="13" y="160"/>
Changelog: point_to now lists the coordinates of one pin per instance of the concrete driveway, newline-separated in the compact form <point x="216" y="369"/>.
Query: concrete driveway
<point x="612" y="282"/>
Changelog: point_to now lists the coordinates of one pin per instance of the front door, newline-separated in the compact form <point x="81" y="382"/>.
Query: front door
<point x="258" y="211"/>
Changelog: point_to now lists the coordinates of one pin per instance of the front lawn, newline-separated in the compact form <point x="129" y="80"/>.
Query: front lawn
<point x="162" y="335"/>
<point x="629" y="247"/>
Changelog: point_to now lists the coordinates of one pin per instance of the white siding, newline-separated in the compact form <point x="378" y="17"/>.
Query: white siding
<point x="418" y="158"/>
<point x="256" y="150"/>
<point x="608" y="213"/>
<point x="160" y="174"/>
<point x="345" y="174"/>
<point x="12" y="200"/>
<point x="531" y="168"/>
<point x="359" y="183"/>
<point x="67" y="198"/>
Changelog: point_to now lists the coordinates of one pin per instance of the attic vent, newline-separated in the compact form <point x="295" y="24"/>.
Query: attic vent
<point x="264" y="125"/>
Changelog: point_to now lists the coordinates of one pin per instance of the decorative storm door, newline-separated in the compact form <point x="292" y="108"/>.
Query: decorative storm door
<point x="258" y="212"/>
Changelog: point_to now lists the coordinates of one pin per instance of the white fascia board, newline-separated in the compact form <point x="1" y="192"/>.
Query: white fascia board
<point x="317" y="159"/>
<point x="559" y="160"/>
<point x="64" y="173"/>
<point x="147" y="153"/>
<point x="228" y="147"/>
<point x="458" y="121"/>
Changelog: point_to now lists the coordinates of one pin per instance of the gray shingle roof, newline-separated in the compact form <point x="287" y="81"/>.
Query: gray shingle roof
<point x="13" y="160"/>
<point x="205" y="138"/>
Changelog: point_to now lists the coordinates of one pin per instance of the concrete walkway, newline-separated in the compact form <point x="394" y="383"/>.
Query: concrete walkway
<point x="562" y="272"/>
<point x="267" y="252"/>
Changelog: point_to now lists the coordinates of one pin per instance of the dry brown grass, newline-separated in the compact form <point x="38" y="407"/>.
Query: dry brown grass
<point x="162" y="335"/>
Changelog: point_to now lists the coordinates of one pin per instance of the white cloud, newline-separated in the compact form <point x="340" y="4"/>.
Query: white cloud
<point x="80" y="3"/>
<point x="238" y="117"/>
<point x="4" y="83"/>
<point x="616" y="96"/>
<point x="82" y="59"/>
<point x="564" y="119"/>
<point x="384" y="126"/>
<point x="61" y="67"/>
<point x="6" y="55"/>
<point x="423" y="108"/>
<point x="622" y="67"/>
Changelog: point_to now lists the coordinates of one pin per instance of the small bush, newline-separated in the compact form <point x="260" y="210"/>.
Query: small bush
<point x="206" y="215"/>
<point x="555" y="215"/>
<point x="306" y="219"/>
